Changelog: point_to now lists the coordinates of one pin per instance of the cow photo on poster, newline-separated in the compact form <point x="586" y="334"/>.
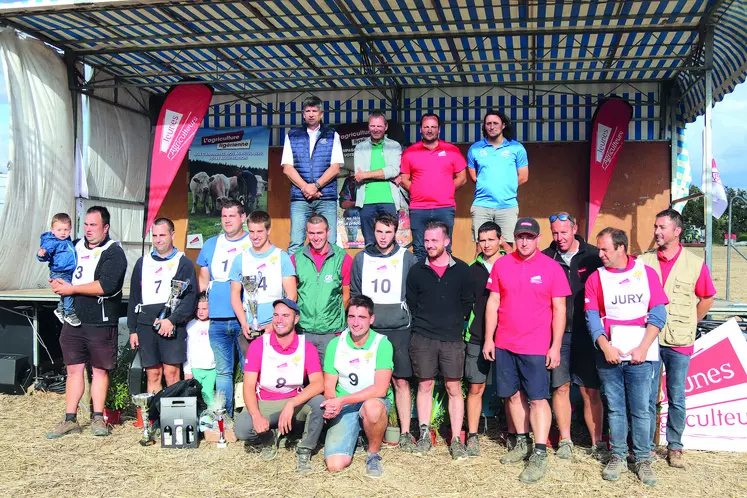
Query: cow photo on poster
<point x="225" y="163"/>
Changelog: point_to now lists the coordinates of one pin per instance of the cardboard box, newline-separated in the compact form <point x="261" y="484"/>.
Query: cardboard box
<point x="180" y="415"/>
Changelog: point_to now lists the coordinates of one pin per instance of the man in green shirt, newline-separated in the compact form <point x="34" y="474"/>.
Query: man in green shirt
<point x="376" y="161"/>
<point x="357" y="372"/>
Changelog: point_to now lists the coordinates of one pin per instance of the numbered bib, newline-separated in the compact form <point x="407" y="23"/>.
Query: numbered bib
<point x="88" y="259"/>
<point x="281" y="373"/>
<point x="155" y="278"/>
<point x="382" y="278"/>
<point x="356" y="367"/>
<point x="225" y="252"/>
<point x="268" y="272"/>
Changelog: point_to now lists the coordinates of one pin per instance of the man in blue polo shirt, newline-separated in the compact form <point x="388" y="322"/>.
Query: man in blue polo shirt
<point x="497" y="164"/>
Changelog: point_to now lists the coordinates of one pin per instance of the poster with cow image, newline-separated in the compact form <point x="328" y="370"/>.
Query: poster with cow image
<point x="225" y="163"/>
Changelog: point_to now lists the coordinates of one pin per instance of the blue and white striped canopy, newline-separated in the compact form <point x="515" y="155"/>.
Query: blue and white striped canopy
<point x="250" y="47"/>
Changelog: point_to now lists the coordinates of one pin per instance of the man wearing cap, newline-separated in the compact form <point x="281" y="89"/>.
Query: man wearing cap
<point x="578" y="260"/>
<point x="625" y="305"/>
<point x="275" y="391"/>
<point x="524" y="325"/>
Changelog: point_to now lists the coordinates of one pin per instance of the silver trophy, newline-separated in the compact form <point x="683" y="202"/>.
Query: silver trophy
<point x="142" y="401"/>
<point x="178" y="287"/>
<point x="251" y="286"/>
<point x="219" y="407"/>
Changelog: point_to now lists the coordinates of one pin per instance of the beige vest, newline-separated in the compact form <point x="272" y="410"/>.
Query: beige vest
<point x="682" y="314"/>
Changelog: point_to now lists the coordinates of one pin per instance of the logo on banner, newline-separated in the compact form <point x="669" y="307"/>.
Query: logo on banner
<point x="171" y="123"/>
<point x="186" y="132"/>
<point x="603" y="135"/>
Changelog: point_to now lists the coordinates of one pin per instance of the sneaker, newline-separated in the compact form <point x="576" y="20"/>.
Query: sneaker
<point x="645" y="472"/>
<point x="423" y="446"/>
<point x="374" y="469"/>
<point x="458" y="450"/>
<point x="60" y="314"/>
<point x="473" y="446"/>
<point x="614" y="468"/>
<point x="98" y="426"/>
<point x="520" y="452"/>
<point x="63" y="429"/>
<point x="407" y="442"/>
<point x="535" y="469"/>
<point x="303" y="461"/>
<point x="269" y="447"/>
<point x="565" y="449"/>
<point x="676" y="459"/>
<point x="599" y="452"/>
<point x="72" y="319"/>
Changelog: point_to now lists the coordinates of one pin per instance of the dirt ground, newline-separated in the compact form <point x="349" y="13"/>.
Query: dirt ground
<point x="83" y="465"/>
<point x="738" y="273"/>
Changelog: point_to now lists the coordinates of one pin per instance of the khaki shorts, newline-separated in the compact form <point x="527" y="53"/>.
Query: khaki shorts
<point x="504" y="218"/>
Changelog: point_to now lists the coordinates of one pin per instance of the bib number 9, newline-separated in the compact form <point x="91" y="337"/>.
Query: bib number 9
<point x="353" y="378"/>
<point x="280" y="383"/>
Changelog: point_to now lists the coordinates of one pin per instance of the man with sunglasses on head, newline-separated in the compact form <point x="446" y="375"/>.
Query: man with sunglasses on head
<point x="524" y="326"/>
<point x="497" y="164"/>
<point x="578" y="260"/>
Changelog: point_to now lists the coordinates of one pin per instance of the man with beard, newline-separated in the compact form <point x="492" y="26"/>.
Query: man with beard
<point x="162" y="352"/>
<point x="432" y="170"/>
<point x="275" y="393"/>
<point x="357" y="372"/>
<point x="524" y="325"/>
<point x="380" y="272"/>
<point x="376" y="160"/>
<point x="323" y="272"/>
<point x="440" y="295"/>
<point x="578" y="260"/>
<point x="215" y="260"/>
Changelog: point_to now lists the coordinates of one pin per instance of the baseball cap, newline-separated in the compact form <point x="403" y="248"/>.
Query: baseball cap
<point x="527" y="225"/>
<point x="288" y="302"/>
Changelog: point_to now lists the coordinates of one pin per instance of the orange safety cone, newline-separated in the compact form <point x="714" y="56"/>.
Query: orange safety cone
<point x="139" y="422"/>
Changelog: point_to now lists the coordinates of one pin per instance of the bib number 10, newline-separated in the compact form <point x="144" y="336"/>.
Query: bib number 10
<point x="384" y="286"/>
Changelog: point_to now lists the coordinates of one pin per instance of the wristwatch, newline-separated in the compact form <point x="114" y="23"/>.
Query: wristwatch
<point x="318" y="187"/>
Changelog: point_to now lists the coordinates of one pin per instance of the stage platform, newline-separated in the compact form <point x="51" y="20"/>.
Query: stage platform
<point x="44" y="295"/>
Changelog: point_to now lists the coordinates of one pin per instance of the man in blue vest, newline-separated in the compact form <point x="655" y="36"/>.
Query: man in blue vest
<point x="312" y="157"/>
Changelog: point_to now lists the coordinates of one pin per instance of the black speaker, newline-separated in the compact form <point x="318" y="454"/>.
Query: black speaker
<point x="136" y="379"/>
<point x="15" y="373"/>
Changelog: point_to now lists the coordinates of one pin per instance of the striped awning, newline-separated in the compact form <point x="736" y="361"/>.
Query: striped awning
<point x="251" y="47"/>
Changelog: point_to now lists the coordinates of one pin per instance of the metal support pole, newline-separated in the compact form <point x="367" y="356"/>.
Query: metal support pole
<point x="729" y="244"/>
<point x="672" y="107"/>
<point x="35" y="344"/>
<point x="708" y="148"/>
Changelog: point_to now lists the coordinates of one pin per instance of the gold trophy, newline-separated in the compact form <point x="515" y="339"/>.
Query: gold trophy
<point x="251" y="286"/>
<point x="178" y="287"/>
<point x="142" y="401"/>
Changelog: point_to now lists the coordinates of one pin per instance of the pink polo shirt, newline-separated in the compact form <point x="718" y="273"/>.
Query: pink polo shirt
<point x="526" y="287"/>
<point x="432" y="174"/>
<point x="703" y="287"/>
<point x="253" y="362"/>
<point x="594" y="296"/>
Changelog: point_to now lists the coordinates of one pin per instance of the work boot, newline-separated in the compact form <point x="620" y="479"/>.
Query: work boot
<point x="374" y="469"/>
<point x="645" y="472"/>
<point x="599" y="452"/>
<point x="269" y="447"/>
<point x="303" y="461"/>
<point x="60" y="314"/>
<point x="565" y="449"/>
<point x="423" y="446"/>
<point x="98" y="426"/>
<point x="72" y="319"/>
<point x="407" y="442"/>
<point x="535" y="469"/>
<point x="473" y="446"/>
<point x="520" y="452"/>
<point x="458" y="451"/>
<point x="614" y="468"/>
<point x="676" y="459"/>
<point x="63" y="429"/>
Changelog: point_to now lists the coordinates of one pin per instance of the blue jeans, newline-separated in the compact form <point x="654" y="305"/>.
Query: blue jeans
<point x="301" y="211"/>
<point x="342" y="431"/>
<point x="368" y="213"/>
<point x="676" y="365"/>
<point x="419" y="218"/>
<point x="66" y="302"/>
<point x="627" y="386"/>
<point x="653" y="398"/>
<point x="224" y="340"/>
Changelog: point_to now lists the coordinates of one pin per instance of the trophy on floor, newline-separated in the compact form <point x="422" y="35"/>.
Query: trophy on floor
<point x="251" y="286"/>
<point x="142" y="401"/>
<point x="219" y="407"/>
<point x="177" y="289"/>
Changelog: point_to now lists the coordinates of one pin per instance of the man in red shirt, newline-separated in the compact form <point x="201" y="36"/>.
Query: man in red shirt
<point x="627" y="295"/>
<point x="432" y="170"/>
<point x="687" y="283"/>
<point x="283" y="385"/>
<point x="527" y="302"/>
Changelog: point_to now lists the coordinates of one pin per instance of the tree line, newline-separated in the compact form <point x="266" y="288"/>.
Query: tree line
<point x="693" y="215"/>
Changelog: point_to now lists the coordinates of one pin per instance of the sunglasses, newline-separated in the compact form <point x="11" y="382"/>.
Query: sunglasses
<point x="562" y="217"/>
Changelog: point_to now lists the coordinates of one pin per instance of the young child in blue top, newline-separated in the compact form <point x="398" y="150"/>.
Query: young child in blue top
<point x="57" y="248"/>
